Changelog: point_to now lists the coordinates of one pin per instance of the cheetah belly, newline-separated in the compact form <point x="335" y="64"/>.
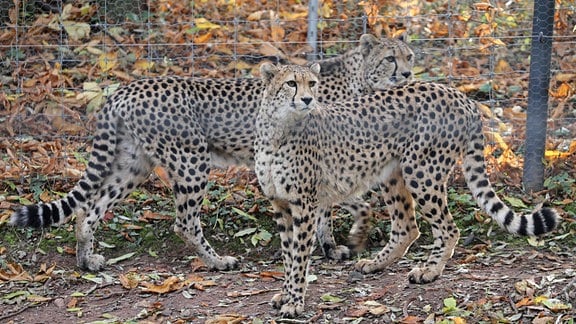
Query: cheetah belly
<point x="345" y="185"/>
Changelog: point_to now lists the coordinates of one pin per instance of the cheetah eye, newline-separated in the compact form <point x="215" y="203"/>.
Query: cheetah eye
<point x="291" y="83"/>
<point x="390" y="58"/>
<point x="312" y="84"/>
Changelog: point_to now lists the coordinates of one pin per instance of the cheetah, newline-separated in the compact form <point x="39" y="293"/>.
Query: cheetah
<point x="407" y="139"/>
<point x="188" y="126"/>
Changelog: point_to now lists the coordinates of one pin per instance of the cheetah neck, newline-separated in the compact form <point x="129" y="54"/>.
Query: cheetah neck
<point x="275" y="129"/>
<point x="347" y="66"/>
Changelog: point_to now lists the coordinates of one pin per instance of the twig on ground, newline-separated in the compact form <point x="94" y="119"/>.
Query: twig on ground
<point x="25" y="307"/>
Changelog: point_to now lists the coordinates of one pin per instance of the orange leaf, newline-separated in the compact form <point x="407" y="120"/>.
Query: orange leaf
<point x="129" y="280"/>
<point x="555" y="154"/>
<point x="202" y="39"/>
<point x="272" y="274"/>
<point x="277" y="33"/>
<point x="72" y="303"/>
<point x="502" y="67"/>
<point x="526" y="301"/>
<point x="411" y="319"/>
<point x="170" y="284"/>
<point x="439" y="29"/>
<point x="150" y="215"/>
<point x="563" y="91"/>
<point x="69" y="250"/>
<point x="15" y="273"/>
<point x="482" y="6"/>
<point x="161" y="173"/>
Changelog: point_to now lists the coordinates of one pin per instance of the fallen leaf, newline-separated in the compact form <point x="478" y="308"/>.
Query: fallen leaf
<point x="38" y="299"/>
<point x="203" y="23"/>
<point x="72" y="303"/>
<point x="526" y="301"/>
<point x="246" y="293"/>
<point x="410" y="319"/>
<point x="169" y="285"/>
<point x="76" y="30"/>
<point x="357" y="312"/>
<point x="563" y="91"/>
<point x="15" y="273"/>
<point x="129" y="280"/>
<point x="226" y="319"/>
<point x="330" y="299"/>
<point x="108" y="61"/>
<point x="120" y="258"/>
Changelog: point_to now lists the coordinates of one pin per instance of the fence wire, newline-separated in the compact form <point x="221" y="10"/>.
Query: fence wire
<point x="60" y="59"/>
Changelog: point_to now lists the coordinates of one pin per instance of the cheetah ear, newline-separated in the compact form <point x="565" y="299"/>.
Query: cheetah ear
<point x="268" y="71"/>
<point x="315" y="68"/>
<point x="367" y="42"/>
<point x="403" y="37"/>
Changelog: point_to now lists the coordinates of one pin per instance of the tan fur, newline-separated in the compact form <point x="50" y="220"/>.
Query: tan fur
<point x="407" y="139"/>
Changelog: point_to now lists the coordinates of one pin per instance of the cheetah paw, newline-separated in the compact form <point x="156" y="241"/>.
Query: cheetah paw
<point x="225" y="263"/>
<point x="339" y="253"/>
<point x="423" y="275"/>
<point x="367" y="266"/>
<point x="279" y="300"/>
<point x="358" y="242"/>
<point x="291" y="310"/>
<point x="94" y="262"/>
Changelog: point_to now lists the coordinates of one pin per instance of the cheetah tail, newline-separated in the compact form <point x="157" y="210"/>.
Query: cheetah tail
<point x="539" y="222"/>
<point x="99" y="166"/>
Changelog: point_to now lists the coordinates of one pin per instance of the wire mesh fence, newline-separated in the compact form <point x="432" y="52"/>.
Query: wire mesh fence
<point x="60" y="59"/>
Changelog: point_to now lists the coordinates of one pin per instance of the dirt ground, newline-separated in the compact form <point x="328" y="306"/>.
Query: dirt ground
<point x="500" y="284"/>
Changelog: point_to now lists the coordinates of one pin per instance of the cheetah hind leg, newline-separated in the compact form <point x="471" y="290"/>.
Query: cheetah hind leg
<point x="358" y="237"/>
<point x="404" y="229"/>
<point x="188" y="199"/>
<point x="129" y="169"/>
<point x="446" y="235"/>
<point x="358" y="233"/>
<point x="325" y="237"/>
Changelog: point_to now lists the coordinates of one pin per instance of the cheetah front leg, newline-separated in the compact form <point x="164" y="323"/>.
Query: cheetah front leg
<point x="188" y="167"/>
<point x="296" y="249"/>
<point x="189" y="227"/>
<point x="404" y="229"/>
<point x="129" y="168"/>
<point x="284" y="224"/>
<point x="85" y="228"/>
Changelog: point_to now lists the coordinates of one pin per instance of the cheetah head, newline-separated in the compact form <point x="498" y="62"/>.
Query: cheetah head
<point x="387" y="61"/>
<point x="290" y="91"/>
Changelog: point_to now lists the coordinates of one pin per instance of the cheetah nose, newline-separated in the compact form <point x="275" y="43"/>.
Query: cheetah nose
<point x="406" y="74"/>
<point x="307" y="100"/>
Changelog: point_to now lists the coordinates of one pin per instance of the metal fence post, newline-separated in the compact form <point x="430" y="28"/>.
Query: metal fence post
<point x="312" y="35"/>
<point x="537" y="112"/>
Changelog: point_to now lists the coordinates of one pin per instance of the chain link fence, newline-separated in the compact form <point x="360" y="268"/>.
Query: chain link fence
<point x="60" y="59"/>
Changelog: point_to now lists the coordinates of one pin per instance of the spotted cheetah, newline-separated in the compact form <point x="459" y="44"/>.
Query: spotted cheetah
<point x="188" y="126"/>
<point x="407" y="139"/>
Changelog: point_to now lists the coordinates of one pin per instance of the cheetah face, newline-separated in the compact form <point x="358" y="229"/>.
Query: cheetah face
<point x="387" y="61"/>
<point x="291" y="91"/>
